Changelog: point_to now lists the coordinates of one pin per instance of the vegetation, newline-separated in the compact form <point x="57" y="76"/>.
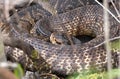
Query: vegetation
<point x="19" y="72"/>
<point x="96" y="75"/>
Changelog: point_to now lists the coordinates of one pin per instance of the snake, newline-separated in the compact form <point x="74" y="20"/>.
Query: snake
<point x="67" y="59"/>
<point x="85" y="20"/>
<point x="27" y="18"/>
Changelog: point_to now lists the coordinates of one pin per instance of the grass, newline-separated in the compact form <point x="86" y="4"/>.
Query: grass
<point x="97" y="75"/>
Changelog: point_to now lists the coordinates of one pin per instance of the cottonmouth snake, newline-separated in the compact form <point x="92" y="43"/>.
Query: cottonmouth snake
<point x="66" y="59"/>
<point x="26" y="19"/>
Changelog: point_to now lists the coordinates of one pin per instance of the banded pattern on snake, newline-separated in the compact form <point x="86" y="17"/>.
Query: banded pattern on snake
<point x="66" y="59"/>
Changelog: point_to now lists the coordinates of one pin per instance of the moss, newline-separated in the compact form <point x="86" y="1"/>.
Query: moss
<point x="35" y="54"/>
<point x="115" y="45"/>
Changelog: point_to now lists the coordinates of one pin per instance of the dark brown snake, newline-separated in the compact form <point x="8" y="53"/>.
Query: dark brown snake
<point x="26" y="18"/>
<point x="66" y="59"/>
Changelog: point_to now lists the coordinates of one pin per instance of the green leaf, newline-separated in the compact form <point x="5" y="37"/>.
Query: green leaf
<point x="19" y="72"/>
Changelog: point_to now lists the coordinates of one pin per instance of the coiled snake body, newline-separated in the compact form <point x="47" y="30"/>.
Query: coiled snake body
<point x="66" y="59"/>
<point x="86" y="20"/>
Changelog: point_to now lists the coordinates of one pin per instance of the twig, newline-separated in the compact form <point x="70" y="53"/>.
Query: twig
<point x="115" y="8"/>
<point x="115" y="38"/>
<point x="108" y="11"/>
<point x="2" y="54"/>
<point x="107" y="44"/>
<point x="6" y="11"/>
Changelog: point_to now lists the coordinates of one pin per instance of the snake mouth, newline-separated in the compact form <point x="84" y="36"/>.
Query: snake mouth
<point x="85" y="38"/>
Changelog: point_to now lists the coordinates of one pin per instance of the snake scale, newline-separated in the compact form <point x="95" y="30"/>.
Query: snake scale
<point x="67" y="59"/>
<point x="79" y="21"/>
<point x="26" y="18"/>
